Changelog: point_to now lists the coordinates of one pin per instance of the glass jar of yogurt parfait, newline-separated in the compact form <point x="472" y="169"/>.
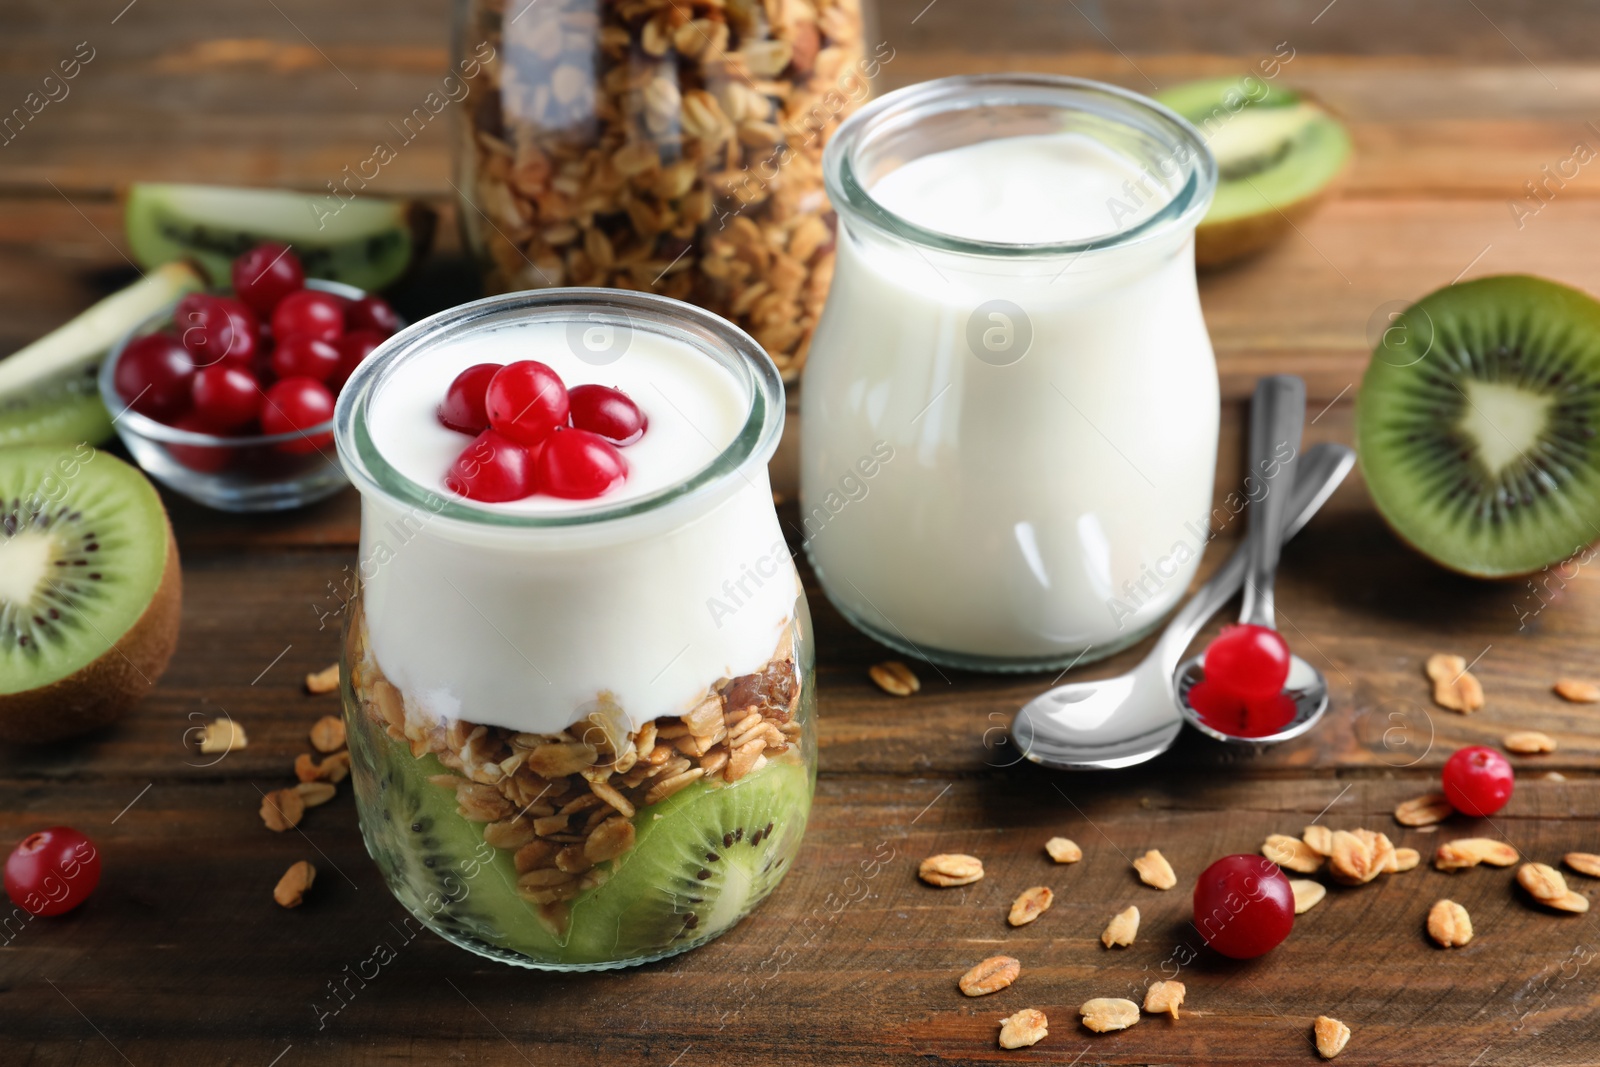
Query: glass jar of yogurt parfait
<point x="1009" y="417"/>
<point x="580" y="729"/>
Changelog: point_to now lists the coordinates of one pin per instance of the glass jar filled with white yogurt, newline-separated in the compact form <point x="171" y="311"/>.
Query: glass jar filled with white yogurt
<point x="1009" y="417"/>
<point x="580" y="714"/>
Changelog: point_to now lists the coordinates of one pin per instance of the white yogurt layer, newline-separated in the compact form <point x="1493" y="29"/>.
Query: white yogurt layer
<point x="534" y="629"/>
<point x="1040" y="500"/>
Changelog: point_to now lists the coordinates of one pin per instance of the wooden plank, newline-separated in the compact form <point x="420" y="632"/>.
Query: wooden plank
<point x="182" y="957"/>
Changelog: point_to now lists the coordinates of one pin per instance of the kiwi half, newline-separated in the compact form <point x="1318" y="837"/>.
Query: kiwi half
<point x="362" y="241"/>
<point x="90" y="590"/>
<point x="701" y="860"/>
<point x="1476" y="425"/>
<point x="1278" y="153"/>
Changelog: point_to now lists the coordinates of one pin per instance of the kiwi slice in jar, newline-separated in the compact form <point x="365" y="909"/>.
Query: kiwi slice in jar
<point x="1476" y="425"/>
<point x="90" y="590"/>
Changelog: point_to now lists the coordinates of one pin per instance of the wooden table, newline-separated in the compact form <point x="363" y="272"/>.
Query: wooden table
<point x="183" y="958"/>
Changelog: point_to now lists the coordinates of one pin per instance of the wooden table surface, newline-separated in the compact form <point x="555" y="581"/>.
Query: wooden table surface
<point x="183" y="958"/>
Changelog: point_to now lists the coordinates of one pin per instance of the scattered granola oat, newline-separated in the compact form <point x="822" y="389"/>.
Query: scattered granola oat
<point x="1103" y="1014"/>
<point x="1423" y="810"/>
<point x="894" y="678"/>
<point x="1318" y="838"/>
<point x="1578" y="691"/>
<point x="323" y="681"/>
<point x="1359" y="856"/>
<point x="950" y="869"/>
<point x="292" y="887"/>
<point x="1576" y="903"/>
<point x="1154" y="870"/>
<point x="1027" y="1027"/>
<point x="1063" y="850"/>
<point x="1454" y="687"/>
<point x="1449" y="924"/>
<point x="222" y="735"/>
<point x="1583" y="862"/>
<point x="1122" y="929"/>
<point x="315" y="794"/>
<point x="1332" y="1036"/>
<point x="990" y="976"/>
<point x="1291" y="853"/>
<point x="1528" y="742"/>
<point x="1471" y="851"/>
<point x="327" y="734"/>
<point x="1543" y="882"/>
<point x="282" y="809"/>
<point x="1307" y="894"/>
<point x="1164" y="997"/>
<point x="1030" y="905"/>
<point x="1404" y="859"/>
<point x="333" y="769"/>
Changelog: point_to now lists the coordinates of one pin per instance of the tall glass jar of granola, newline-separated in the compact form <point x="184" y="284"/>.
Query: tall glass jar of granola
<point x="580" y="728"/>
<point x="672" y="146"/>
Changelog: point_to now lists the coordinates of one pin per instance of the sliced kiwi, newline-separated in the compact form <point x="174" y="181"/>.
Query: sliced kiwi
<point x="1476" y="425"/>
<point x="1278" y="152"/>
<point x="60" y="412"/>
<point x="700" y="861"/>
<point x="89" y="590"/>
<point x="363" y="241"/>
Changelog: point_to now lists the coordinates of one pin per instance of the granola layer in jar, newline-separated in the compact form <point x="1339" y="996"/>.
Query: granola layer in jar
<point x="580" y="730"/>
<point x="658" y="145"/>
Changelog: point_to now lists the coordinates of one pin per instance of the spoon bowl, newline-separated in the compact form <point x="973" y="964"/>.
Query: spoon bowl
<point x="1305" y="687"/>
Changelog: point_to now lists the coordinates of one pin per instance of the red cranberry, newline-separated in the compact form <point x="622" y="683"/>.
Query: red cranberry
<point x="298" y="404"/>
<point x="607" y="412"/>
<point x="265" y="275"/>
<point x="301" y="356"/>
<point x="492" y="469"/>
<point x="371" y="313"/>
<point x="463" y="405"/>
<point x="153" y="376"/>
<point x="579" y="465"/>
<point x="226" y="397"/>
<point x="1478" y="781"/>
<point x="1250" y="661"/>
<point x="525" y="401"/>
<point x="1243" y="906"/>
<point x="207" y="459"/>
<point x="310" y="312"/>
<point x="52" y="871"/>
<point x="216" y="328"/>
<point x="354" y="347"/>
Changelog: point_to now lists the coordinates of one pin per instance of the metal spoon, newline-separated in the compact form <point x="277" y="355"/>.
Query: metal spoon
<point x="1277" y="416"/>
<point x="1118" y="722"/>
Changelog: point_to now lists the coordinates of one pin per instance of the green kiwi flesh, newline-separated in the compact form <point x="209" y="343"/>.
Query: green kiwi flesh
<point x="1277" y="152"/>
<point x="64" y="411"/>
<point x="1476" y="425"/>
<point x="90" y="594"/>
<point x="363" y="241"/>
<point x="701" y="860"/>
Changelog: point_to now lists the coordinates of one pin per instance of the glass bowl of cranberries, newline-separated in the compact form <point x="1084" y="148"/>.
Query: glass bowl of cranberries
<point x="227" y="396"/>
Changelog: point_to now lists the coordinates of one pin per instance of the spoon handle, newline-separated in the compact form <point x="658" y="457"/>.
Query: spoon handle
<point x="1277" y="417"/>
<point x="1321" y="468"/>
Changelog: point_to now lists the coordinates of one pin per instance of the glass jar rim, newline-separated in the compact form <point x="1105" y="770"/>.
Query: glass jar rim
<point x="710" y="334"/>
<point x="914" y="103"/>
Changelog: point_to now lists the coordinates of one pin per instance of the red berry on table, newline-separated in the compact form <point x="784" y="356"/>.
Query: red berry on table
<point x="354" y="347"/>
<point x="315" y="314"/>
<point x="226" y="397"/>
<point x="579" y="465"/>
<point x="525" y="401"/>
<point x="266" y="274"/>
<point x="371" y="313"/>
<point x="52" y="871"/>
<point x="216" y="328"/>
<point x="1249" y="661"/>
<point x="1243" y="906"/>
<point x="1478" y="781"/>
<point x="301" y="356"/>
<point x="492" y="469"/>
<point x="463" y="405"/>
<point x="298" y="404"/>
<point x="607" y="412"/>
<point x="207" y="459"/>
<point x="153" y="376"/>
